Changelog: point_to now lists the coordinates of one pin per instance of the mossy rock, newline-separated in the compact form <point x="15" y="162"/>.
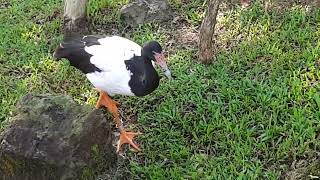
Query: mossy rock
<point x="53" y="137"/>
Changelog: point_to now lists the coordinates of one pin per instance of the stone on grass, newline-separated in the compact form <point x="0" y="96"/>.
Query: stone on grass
<point x="52" y="137"/>
<point x="145" y="11"/>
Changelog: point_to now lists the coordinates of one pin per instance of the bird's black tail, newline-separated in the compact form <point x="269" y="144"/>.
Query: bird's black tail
<point x="74" y="45"/>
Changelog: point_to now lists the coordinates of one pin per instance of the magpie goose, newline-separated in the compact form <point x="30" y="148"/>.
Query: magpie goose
<point x="116" y="66"/>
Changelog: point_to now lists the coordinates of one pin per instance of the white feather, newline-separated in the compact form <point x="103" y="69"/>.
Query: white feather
<point x="109" y="57"/>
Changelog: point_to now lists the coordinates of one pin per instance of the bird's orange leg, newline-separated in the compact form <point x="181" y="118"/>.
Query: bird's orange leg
<point x="111" y="105"/>
<point x="115" y="102"/>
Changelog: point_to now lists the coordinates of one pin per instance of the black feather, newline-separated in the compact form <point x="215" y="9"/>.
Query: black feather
<point x="73" y="50"/>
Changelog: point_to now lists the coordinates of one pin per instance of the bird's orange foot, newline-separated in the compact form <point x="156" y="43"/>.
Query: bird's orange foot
<point x="127" y="138"/>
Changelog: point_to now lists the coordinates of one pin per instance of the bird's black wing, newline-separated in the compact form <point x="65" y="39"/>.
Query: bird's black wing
<point x="73" y="49"/>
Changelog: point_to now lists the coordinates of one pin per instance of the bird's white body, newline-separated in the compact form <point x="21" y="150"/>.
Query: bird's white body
<point x="109" y="57"/>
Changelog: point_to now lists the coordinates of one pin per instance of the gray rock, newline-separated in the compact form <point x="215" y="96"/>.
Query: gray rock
<point x="52" y="137"/>
<point x="144" y="11"/>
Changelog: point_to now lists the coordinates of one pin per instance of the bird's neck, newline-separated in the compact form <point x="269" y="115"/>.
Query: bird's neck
<point x="146" y="79"/>
<point x="151" y="75"/>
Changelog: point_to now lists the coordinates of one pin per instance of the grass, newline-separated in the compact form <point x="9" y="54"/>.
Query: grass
<point x="251" y="114"/>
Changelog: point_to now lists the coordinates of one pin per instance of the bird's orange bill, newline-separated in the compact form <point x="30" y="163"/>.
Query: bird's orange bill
<point x="127" y="138"/>
<point x="161" y="61"/>
<point x="111" y="105"/>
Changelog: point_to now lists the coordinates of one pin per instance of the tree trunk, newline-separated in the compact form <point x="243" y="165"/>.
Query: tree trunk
<point x="206" y="46"/>
<point x="75" y="18"/>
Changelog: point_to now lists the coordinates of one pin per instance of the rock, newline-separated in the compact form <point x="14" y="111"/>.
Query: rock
<point x="52" y="137"/>
<point x="144" y="11"/>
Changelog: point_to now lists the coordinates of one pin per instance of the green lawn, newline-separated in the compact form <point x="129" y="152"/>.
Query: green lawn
<point x="251" y="114"/>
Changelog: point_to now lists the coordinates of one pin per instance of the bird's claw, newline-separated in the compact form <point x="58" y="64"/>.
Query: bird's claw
<point x="127" y="138"/>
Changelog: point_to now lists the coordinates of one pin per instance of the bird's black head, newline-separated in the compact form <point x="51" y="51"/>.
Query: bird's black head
<point x="153" y="51"/>
<point x="150" y="49"/>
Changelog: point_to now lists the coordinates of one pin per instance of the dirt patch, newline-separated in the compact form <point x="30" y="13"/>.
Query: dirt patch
<point x="189" y="108"/>
<point x="99" y="26"/>
<point x="41" y="19"/>
<point x="283" y="5"/>
<point x="18" y="72"/>
<point x="4" y="4"/>
<point x="187" y="36"/>
<point x="303" y="169"/>
<point x="54" y="15"/>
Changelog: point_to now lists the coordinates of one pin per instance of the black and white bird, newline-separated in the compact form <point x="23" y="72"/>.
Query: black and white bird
<point x="116" y="66"/>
